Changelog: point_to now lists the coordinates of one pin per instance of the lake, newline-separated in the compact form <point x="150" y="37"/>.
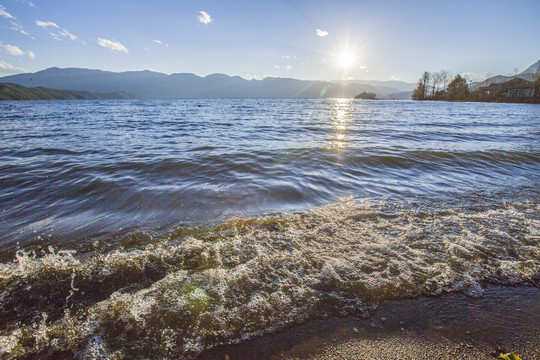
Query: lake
<point x="195" y="223"/>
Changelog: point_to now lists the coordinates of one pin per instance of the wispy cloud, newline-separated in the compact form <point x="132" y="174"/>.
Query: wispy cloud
<point x="14" y="50"/>
<point x="27" y="2"/>
<point x="18" y="27"/>
<point x="204" y="17"/>
<point x="46" y="24"/>
<point x="8" y="69"/>
<point x="114" y="46"/>
<point x="322" y="33"/>
<point x="394" y="77"/>
<point x="160" y="43"/>
<point x="284" y="67"/>
<point x="59" y="34"/>
<point x="66" y="33"/>
<point x="4" y="13"/>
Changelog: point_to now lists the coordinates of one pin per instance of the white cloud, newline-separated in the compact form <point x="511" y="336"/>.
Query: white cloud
<point x="66" y="33"/>
<point x="277" y="67"/>
<point x="5" y="14"/>
<point x="56" y="35"/>
<point x="394" y="77"/>
<point x="46" y="24"/>
<point x="471" y="76"/>
<point x="204" y="17"/>
<point x="255" y="77"/>
<point x="114" y="46"/>
<point x="322" y="33"/>
<point x="288" y="67"/>
<point x="27" y="2"/>
<point x="8" y="69"/>
<point x="18" y="27"/>
<point x="160" y="43"/>
<point x="14" y="50"/>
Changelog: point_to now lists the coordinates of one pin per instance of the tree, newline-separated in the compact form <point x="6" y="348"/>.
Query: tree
<point x="420" y="93"/>
<point x="425" y="81"/>
<point x="445" y="76"/>
<point x="458" y="90"/>
<point x="366" y="95"/>
<point x="437" y="81"/>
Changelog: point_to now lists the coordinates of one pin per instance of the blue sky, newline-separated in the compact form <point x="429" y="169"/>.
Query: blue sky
<point x="326" y="40"/>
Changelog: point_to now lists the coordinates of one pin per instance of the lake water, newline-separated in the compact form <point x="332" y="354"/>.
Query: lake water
<point x="171" y="226"/>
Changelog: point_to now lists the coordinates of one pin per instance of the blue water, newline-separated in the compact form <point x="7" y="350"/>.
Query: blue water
<point x="75" y="170"/>
<point x="163" y="228"/>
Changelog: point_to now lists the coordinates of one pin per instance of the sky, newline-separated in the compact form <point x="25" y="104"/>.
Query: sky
<point x="310" y="40"/>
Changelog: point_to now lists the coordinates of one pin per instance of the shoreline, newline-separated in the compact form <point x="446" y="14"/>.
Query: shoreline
<point x="449" y="326"/>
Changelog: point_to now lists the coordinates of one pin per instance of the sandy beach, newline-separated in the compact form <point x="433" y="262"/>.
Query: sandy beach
<point x="452" y="326"/>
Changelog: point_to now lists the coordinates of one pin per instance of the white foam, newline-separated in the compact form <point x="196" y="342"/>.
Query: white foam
<point x="261" y="275"/>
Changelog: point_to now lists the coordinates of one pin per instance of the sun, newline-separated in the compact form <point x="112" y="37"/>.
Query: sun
<point x="346" y="59"/>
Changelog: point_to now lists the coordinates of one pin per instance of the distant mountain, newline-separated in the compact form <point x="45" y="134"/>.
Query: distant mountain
<point x="529" y="74"/>
<point x="533" y="69"/>
<point x="18" y="92"/>
<point x="148" y="84"/>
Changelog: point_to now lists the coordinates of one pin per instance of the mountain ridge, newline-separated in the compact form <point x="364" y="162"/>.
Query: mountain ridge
<point x="151" y="84"/>
<point x="529" y="74"/>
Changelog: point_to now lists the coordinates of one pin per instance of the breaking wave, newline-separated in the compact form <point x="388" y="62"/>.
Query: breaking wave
<point x="198" y="287"/>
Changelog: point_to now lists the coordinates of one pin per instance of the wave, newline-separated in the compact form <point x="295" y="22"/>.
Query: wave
<point x="199" y="287"/>
<point x="208" y="160"/>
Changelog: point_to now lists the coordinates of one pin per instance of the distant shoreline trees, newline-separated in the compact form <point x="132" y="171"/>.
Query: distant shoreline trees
<point x="430" y="84"/>
<point x="438" y="87"/>
<point x="366" y="96"/>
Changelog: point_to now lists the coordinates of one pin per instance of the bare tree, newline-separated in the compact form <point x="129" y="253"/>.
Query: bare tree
<point x="437" y="81"/>
<point x="445" y="78"/>
<point x="425" y="82"/>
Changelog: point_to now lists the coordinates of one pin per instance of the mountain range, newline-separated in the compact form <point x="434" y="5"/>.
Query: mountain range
<point x="529" y="74"/>
<point x="149" y="84"/>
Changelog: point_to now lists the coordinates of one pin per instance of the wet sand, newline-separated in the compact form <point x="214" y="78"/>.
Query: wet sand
<point x="451" y="326"/>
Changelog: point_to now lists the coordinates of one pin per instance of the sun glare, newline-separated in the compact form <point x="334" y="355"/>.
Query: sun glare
<point x="346" y="59"/>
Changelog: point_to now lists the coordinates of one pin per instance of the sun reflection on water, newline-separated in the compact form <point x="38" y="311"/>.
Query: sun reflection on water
<point x="341" y="116"/>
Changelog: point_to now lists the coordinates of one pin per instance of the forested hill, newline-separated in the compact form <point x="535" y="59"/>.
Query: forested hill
<point x="18" y="92"/>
